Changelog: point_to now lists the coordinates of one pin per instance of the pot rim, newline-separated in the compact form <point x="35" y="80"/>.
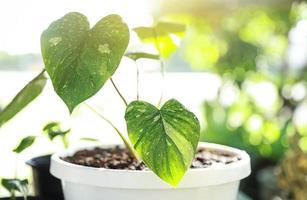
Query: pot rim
<point x="133" y="179"/>
<point x="37" y="162"/>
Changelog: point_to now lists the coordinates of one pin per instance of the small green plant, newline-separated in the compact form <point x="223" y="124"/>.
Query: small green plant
<point x="16" y="185"/>
<point x="80" y="59"/>
<point x="52" y="130"/>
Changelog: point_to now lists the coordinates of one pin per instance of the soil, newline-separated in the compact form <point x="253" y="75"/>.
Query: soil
<point x="121" y="158"/>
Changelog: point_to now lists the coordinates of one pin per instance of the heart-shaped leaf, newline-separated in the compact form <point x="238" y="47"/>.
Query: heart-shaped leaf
<point x="166" y="139"/>
<point x="24" y="144"/>
<point x="162" y="36"/>
<point x="79" y="60"/>
<point x="23" y="98"/>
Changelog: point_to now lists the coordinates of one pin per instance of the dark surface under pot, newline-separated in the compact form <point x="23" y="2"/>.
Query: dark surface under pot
<point x="46" y="186"/>
<point x="20" y="198"/>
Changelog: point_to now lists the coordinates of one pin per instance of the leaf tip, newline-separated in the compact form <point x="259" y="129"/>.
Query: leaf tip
<point x="174" y="183"/>
<point x="70" y="107"/>
<point x="71" y="110"/>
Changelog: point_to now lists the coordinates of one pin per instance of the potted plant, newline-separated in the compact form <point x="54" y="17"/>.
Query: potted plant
<point x="15" y="185"/>
<point x="163" y="158"/>
<point x="47" y="186"/>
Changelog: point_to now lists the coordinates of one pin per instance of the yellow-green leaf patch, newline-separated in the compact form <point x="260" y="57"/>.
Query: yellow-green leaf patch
<point x="162" y="36"/>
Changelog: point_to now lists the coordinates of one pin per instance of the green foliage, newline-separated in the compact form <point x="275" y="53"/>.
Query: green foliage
<point x="249" y="46"/>
<point x="235" y="62"/>
<point x="53" y="130"/>
<point x="16" y="185"/>
<point x="79" y="60"/>
<point x="203" y="46"/>
<point x="24" y="144"/>
<point x="162" y="36"/>
<point x="23" y="98"/>
<point x="239" y="42"/>
<point x="89" y="139"/>
<point x="173" y="129"/>
<point x="244" y="125"/>
<point x="138" y="55"/>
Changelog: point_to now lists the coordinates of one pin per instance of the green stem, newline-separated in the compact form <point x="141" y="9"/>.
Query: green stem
<point x="163" y="78"/>
<point x="13" y="197"/>
<point x="65" y="142"/>
<point x="128" y="145"/>
<point x="162" y="67"/>
<point x="137" y="81"/>
<point x="117" y="90"/>
<point x="16" y="166"/>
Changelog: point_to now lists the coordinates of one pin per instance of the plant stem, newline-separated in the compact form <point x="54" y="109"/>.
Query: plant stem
<point x="117" y="90"/>
<point x="13" y="197"/>
<point x="162" y="67"/>
<point x="137" y="81"/>
<point x="65" y="142"/>
<point x="15" y="166"/>
<point x="128" y="145"/>
<point x="163" y="78"/>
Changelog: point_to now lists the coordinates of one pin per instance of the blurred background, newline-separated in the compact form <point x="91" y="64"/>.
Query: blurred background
<point x="241" y="65"/>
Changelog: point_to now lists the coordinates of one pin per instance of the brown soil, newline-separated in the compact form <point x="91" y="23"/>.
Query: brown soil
<point x="120" y="158"/>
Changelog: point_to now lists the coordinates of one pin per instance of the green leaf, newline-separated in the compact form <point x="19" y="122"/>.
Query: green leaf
<point x="54" y="134"/>
<point x="162" y="36"/>
<point x="23" y="98"/>
<point x="159" y="30"/>
<point x="16" y="185"/>
<point x="53" y="130"/>
<point x="138" y="55"/>
<point x="51" y="125"/>
<point x="24" y="144"/>
<point x="89" y="139"/>
<point x="79" y="60"/>
<point x="166" y="139"/>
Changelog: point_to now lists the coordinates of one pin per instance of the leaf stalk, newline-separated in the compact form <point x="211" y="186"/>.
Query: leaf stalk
<point x="119" y="93"/>
<point x="162" y="67"/>
<point x="126" y="142"/>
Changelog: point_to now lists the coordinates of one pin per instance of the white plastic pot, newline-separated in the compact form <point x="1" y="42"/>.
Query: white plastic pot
<point x="218" y="182"/>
